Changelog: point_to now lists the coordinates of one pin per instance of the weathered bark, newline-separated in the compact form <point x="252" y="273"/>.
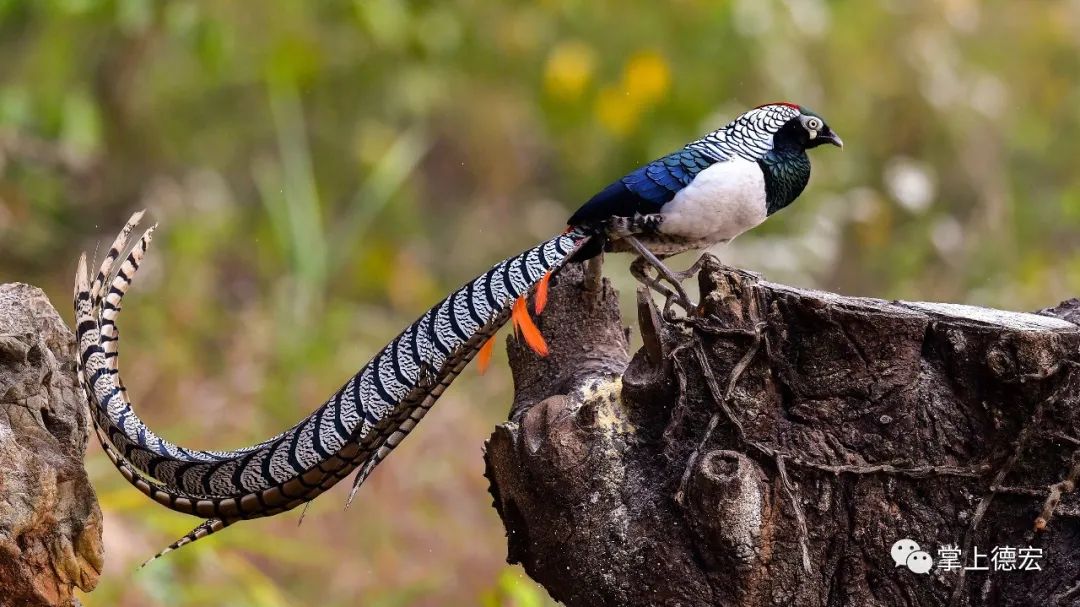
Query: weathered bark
<point x="771" y="451"/>
<point x="50" y="524"/>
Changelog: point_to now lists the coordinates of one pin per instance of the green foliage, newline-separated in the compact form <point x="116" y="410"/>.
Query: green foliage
<point x="323" y="172"/>
<point x="515" y="589"/>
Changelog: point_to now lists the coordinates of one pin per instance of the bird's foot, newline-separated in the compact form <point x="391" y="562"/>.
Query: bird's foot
<point x="676" y="294"/>
<point x="639" y="269"/>
<point x="691" y="308"/>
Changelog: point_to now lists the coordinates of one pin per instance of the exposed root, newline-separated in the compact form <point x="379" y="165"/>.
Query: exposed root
<point x="1057" y="491"/>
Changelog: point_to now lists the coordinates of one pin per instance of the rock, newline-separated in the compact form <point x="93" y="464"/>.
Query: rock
<point x="50" y="523"/>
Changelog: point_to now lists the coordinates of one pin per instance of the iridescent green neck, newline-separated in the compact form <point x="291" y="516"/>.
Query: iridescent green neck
<point x="787" y="171"/>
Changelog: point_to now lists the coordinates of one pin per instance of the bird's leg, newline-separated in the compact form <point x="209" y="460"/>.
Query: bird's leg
<point x="639" y="269"/>
<point x="627" y="229"/>
<point x="664" y="272"/>
<point x="682" y="276"/>
<point x="691" y="271"/>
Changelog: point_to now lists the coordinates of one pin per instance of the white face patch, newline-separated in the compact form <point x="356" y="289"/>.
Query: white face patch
<point x="812" y="124"/>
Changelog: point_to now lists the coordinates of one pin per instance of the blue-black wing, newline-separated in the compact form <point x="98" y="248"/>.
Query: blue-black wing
<point x="644" y="190"/>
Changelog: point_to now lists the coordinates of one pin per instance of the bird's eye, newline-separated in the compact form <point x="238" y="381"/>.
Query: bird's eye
<point x="813" y="124"/>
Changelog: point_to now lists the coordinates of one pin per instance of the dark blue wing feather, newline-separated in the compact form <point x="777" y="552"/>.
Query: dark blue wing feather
<point x="644" y="190"/>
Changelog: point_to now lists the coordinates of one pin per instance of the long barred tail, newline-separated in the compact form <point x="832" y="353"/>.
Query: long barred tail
<point x="205" y="528"/>
<point x="357" y="427"/>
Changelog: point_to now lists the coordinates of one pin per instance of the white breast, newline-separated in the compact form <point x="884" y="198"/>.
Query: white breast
<point x="723" y="201"/>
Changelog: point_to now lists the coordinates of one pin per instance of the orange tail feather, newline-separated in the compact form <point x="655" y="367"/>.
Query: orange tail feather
<point x="524" y="325"/>
<point x="542" y="293"/>
<point x="483" y="358"/>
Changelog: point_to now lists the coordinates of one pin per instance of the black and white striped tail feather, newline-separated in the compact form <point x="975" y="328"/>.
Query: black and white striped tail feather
<point x="205" y="528"/>
<point x="90" y="361"/>
<point x="163" y="460"/>
<point x="148" y="451"/>
<point x="91" y="354"/>
<point x="155" y="491"/>
<point x="208" y="506"/>
<point x="407" y="417"/>
<point x="368" y="450"/>
<point x="121" y="282"/>
<point x="162" y="496"/>
<point x="108" y="305"/>
<point x="411" y="411"/>
<point x="165" y="497"/>
<point x="373" y="447"/>
<point x="98" y="338"/>
<point x="108" y="386"/>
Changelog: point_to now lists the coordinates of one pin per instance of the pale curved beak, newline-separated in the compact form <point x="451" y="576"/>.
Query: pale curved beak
<point x="833" y="138"/>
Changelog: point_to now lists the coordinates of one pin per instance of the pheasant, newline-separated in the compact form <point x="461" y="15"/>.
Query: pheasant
<point x="708" y="192"/>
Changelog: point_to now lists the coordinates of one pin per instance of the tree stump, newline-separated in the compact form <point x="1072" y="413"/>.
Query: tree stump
<point x="50" y="524"/>
<point x="774" y="450"/>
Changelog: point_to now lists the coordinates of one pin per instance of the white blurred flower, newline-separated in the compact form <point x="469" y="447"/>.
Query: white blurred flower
<point x="810" y="16"/>
<point x="207" y="190"/>
<point x="947" y="235"/>
<point x="935" y="56"/>
<point x="864" y="204"/>
<point x="911" y="183"/>
<point x="962" y="15"/>
<point x="752" y="17"/>
<point x="989" y="96"/>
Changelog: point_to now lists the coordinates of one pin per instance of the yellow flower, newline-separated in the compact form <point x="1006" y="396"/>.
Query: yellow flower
<point x="568" y="71"/>
<point x="617" y="110"/>
<point x="647" y="77"/>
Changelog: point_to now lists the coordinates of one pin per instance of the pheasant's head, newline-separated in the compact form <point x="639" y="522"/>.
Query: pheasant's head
<point x="798" y="126"/>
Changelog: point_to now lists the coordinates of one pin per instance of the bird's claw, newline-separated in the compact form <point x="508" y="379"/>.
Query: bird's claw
<point x="676" y="294"/>
<point x="688" y="306"/>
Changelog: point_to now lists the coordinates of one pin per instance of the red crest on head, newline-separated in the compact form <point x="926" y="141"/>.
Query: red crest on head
<point x="790" y="105"/>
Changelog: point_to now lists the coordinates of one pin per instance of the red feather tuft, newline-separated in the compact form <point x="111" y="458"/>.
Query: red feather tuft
<point x="790" y="105"/>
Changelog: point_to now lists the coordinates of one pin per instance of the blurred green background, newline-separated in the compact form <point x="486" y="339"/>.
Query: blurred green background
<point x="325" y="171"/>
